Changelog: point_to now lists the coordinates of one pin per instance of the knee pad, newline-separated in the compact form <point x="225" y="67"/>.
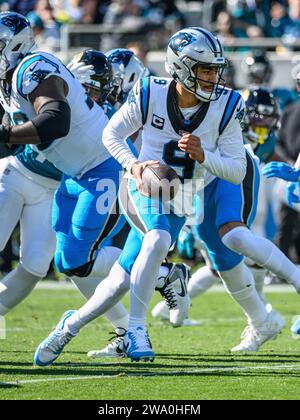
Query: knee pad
<point x="239" y="240"/>
<point x="158" y="241"/>
<point x="37" y="260"/>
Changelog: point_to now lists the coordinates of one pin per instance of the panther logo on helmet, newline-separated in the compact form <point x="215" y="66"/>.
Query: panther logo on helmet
<point x="14" y="23"/>
<point x="120" y="57"/>
<point x="181" y="40"/>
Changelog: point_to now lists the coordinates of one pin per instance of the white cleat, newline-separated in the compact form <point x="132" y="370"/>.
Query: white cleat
<point x="49" y="350"/>
<point x="113" y="349"/>
<point x="161" y="311"/>
<point x="254" y="337"/>
<point x="175" y="293"/>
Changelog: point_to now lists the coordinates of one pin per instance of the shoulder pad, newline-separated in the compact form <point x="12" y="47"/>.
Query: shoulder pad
<point x="233" y="98"/>
<point x="33" y="69"/>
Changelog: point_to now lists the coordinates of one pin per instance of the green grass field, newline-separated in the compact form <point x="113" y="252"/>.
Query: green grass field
<point x="191" y="363"/>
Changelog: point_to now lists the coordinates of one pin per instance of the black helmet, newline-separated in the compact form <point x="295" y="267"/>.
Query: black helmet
<point x="100" y="84"/>
<point x="261" y="115"/>
<point x="257" y="67"/>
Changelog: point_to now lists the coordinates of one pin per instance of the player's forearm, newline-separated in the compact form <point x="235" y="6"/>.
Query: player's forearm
<point x="114" y="135"/>
<point x="118" y="148"/>
<point x="230" y="169"/>
<point x="24" y="134"/>
<point x="51" y="123"/>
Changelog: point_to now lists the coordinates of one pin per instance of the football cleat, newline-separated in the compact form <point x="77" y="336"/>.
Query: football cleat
<point x="49" y="350"/>
<point x="137" y="345"/>
<point x="254" y="337"/>
<point x="295" y="328"/>
<point x="161" y="311"/>
<point x="175" y="293"/>
<point x="113" y="349"/>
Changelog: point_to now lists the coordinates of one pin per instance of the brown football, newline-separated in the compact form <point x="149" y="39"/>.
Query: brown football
<point x="160" y="181"/>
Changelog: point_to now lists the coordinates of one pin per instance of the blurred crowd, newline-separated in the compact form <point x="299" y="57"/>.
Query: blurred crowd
<point x="231" y="19"/>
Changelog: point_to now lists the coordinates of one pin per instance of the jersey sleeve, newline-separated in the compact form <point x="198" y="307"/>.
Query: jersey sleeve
<point x="126" y="121"/>
<point x="33" y="70"/>
<point x="231" y="163"/>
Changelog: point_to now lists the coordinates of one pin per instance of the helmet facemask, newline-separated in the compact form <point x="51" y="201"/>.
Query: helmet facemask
<point x="99" y="87"/>
<point x="258" y="123"/>
<point x="204" y="88"/>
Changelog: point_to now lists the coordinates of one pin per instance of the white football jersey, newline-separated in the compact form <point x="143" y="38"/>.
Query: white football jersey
<point x="82" y="149"/>
<point x="152" y="106"/>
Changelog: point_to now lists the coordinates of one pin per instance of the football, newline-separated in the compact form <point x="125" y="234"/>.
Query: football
<point x="160" y="181"/>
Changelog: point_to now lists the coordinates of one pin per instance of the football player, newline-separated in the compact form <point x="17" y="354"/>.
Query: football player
<point x="260" y="122"/>
<point x="124" y="66"/>
<point x="50" y="348"/>
<point x="225" y="228"/>
<point x="176" y="115"/>
<point x="28" y="182"/>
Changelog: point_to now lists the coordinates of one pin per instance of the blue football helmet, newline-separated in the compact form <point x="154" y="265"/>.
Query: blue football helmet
<point x="127" y="69"/>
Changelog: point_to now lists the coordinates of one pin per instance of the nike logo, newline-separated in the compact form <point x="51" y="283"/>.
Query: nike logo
<point x="92" y="179"/>
<point x="183" y="289"/>
<point x="33" y="67"/>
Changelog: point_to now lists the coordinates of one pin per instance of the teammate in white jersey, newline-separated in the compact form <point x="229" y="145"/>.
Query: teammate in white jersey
<point x="50" y="110"/>
<point x="28" y="183"/>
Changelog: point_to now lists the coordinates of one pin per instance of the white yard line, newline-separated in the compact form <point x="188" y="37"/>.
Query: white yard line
<point x="294" y="367"/>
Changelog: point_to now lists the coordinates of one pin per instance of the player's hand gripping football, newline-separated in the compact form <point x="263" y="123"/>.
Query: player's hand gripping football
<point x="192" y="145"/>
<point x="138" y="168"/>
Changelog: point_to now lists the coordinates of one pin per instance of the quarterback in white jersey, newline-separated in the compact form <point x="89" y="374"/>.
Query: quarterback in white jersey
<point x="235" y="219"/>
<point x="176" y="116"/>
<point x="192" y="124"/>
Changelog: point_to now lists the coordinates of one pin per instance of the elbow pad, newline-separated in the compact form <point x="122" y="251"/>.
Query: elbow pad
<point x="53" y="121"/>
